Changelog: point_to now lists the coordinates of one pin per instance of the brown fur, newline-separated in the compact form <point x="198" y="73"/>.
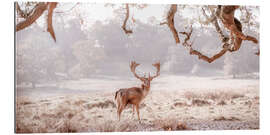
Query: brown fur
<point x="134" y="95"/>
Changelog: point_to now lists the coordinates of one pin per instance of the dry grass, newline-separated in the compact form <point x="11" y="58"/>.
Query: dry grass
<point x="221" y="102"/>
<point x="222" y="118"/>
<point x="170" y="124"/>
<point x="180" y="104"/>
<point x="55" y="115"/>
<point x="200" y="102"/>
<point x="77" y="115"/>
<point x="159" y="111"/>
<point x="214" y="95"/>
<point x="105" y="104"/>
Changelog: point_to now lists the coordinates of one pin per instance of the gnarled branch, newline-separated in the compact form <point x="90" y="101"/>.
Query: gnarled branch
<point x="206" y="58"/>
<point x="19" y="11"/>
<point x="125" y="21"/>
<point x="68" y="9"/>
<point x="201" y="56"/>
<point x="228" y="19"/>
<point x="170" y="22"/>
<point x="52" y="6"/>
<point x="40" y="8"/>
<point x="213" y="19"/>
<point x="188" y="34"/>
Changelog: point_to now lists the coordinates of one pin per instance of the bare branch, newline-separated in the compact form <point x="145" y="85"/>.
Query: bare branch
<point x="68" y="9"/>
<point x="236" y="40"/>
<point x="19" y="11"/>
<point x="213" y="19"/>
<point x="228" y="19"/>
<point x="226" y="15"/>
<point x="163" y="23"/>
<point x="170" y="22"/>
<point x="188" y="34"/>
<point x="208" y="19"/>
<point x="125" y="21"/>
<point x="52" y="6"/>
<point x="40" y="8"/>
<point x="25" y="14"/>
<point x="199" y="54"/>
<point x="257" y="53"/>
<point x="206" y="58"/>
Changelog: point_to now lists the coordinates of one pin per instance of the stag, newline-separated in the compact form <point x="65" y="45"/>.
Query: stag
<point x="134" y="95"/>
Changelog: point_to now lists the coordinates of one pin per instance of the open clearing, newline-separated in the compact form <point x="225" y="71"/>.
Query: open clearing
<point x="174" y="103"/>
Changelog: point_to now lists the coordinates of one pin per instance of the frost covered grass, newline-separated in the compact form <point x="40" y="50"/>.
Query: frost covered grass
<point x="96" y="112"/>
<point x="161" y="110"/>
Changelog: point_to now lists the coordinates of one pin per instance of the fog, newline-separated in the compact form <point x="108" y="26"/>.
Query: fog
<point x="104" y="50"/>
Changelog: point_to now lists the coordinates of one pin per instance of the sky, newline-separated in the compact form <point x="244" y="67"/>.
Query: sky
<point x="92" y="12"/>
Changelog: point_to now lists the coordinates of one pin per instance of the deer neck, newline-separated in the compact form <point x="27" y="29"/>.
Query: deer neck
<point x="145" y="89"/>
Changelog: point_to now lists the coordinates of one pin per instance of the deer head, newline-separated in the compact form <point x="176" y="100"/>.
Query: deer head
<point x="134" y="95"/>
<point x="146" y="80"/>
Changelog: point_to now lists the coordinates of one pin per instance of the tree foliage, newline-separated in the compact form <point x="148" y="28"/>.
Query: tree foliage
<point x="37" y="61"/>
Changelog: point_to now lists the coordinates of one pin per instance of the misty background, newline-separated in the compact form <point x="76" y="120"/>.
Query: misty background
<point x="101" y="49"/>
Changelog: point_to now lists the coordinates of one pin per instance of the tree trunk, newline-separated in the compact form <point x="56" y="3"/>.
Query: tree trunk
<point x="33" y="85"/>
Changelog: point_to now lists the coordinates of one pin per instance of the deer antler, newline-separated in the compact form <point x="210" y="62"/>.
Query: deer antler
<point x="157" y="65"/>
<point x="133" y="66"/>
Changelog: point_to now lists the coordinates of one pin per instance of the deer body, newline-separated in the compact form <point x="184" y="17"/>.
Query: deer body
<point x="134" y="95"/>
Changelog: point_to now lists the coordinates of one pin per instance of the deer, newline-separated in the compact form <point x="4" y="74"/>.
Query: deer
<point x="135" y="95"/>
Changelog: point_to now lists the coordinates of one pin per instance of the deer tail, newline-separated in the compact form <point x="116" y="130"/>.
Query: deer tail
<point x="116" y="94"/>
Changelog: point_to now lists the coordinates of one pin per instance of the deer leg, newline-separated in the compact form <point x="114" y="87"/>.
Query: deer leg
<point x="119" y="111"/>
<point x="138" y="112"/>
<point x="123" y="104"/>
<point x="118" y="108"/>
<point x="133" y="110"/>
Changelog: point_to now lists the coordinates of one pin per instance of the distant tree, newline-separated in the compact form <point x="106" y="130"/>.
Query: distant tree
<point x="89" y="54"/>
<point x="36" y="60"/>
<point x="230" y="65"/>
<point x="178" y="61"/>
<point x="68" y="35"/>
<point x="242" y="62"/>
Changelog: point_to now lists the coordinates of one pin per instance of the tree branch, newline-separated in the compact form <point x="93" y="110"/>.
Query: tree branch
<point x="19" y="11"/>
<point x="68" y="9"/>
<point x="170" y="22"/>
<point x="226" y="15"/>
<point x="206" y="58"/>
<point x="213" y="19"/>
<point x="40" y="8"/>
<point x="52" y="6"/>
<point x="188" y="34"/>
<point x="208" y="19"/>
<point x="125" y="21"/>
<point x="228" y="19"/>
<point x="201" y="56"/>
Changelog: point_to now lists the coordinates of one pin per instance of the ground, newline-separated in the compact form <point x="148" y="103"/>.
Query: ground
<point x="174" y="103"/>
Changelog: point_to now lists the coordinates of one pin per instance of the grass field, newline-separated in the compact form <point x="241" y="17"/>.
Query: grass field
<point x="174" y="103"/>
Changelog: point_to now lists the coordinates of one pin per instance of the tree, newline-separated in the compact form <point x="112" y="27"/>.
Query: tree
<point x="216" y="16"/>
<point x="89" y="54"/>
<point x="36" y="60"/>
<point x="230" y="65"/>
